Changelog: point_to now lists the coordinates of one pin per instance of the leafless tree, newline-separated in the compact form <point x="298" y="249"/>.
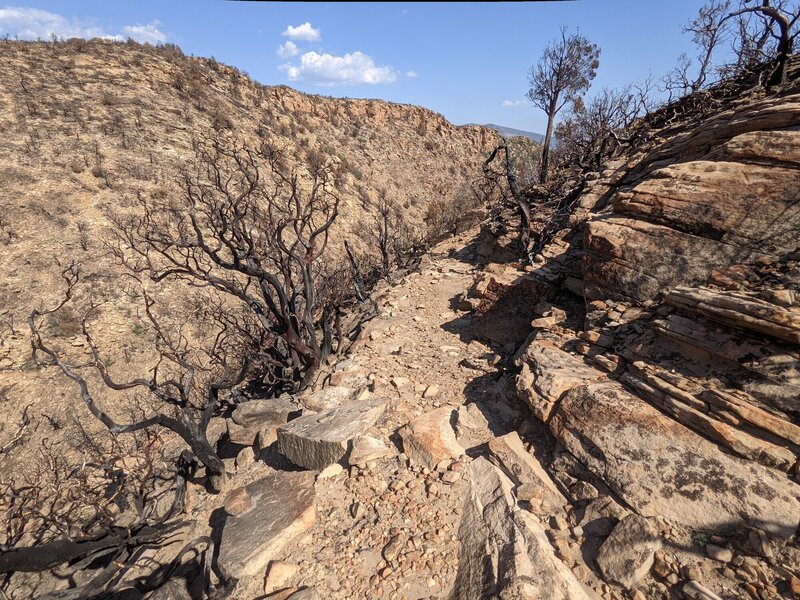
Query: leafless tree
<point x="505" y="182"/>
<point x="590" y="130"/>
<point x="384" y="231"/>
<point x="254" y="230"/>
<point x="565" y="70"/>
<point x="758" y="32"/>
<point x="185" y="392"/>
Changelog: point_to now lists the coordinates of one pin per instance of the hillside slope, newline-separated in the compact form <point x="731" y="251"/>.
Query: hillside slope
<point x="89" y="126"/>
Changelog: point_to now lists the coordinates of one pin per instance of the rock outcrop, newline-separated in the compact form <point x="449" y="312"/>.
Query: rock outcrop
<point x="673" y="392"/>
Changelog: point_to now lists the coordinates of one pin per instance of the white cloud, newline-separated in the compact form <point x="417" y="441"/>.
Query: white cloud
<point x="32" y="24"/>
<point x="327" y="70"/>
<point x="512" y="103"/>
<point x="411" y="74"/>
<point x="304" y="32"/>
<point x="287" y="50"/>
<point x="146" y="34"/>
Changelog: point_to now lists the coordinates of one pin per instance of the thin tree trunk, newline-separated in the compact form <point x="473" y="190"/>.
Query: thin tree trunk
<point x="548" y="136"/>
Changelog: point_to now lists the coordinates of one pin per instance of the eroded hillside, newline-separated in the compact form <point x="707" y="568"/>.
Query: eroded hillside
<point x="89" y="127"/>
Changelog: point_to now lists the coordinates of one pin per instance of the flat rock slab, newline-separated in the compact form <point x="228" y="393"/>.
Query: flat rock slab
<point x="659" y="467"/>
<point x="628" y="553"/>
<point x="274" y="411"/>
<point x="504" y="551"/>
<point x="282" y="509"/>
<point x="548" y="373"/>
<point x="523" y="468"/>
<point x="429" y="439"/>
<point x="318" y="440"/>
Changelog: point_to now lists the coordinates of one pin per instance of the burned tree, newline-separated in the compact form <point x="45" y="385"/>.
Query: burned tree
<point x="384" y="232"/>
<point x="565" y="70"/>
<point x="760" y="32"/>
<point x="254" y="230"/>
<point x="185" y="391"/>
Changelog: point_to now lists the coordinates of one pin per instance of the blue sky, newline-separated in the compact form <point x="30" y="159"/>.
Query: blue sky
<point x="467" y="61"/>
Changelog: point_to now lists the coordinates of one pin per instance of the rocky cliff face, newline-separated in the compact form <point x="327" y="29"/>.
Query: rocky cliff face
<point x="673" y="385"/>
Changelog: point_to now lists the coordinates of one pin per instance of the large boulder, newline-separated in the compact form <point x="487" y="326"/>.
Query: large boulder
<point x="659" y="467"/>
<point x="547" y="373"/>
<point x="314" y="441"/>
<point x="280" y="509"/>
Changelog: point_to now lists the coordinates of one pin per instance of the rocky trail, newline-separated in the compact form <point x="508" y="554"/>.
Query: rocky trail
<point x="617" y="421"/>
<point x="421" y="468"/>
<point x="387" y="500"/>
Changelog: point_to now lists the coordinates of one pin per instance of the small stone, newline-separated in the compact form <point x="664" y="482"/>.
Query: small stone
<point x="451" y="477"/>
<point x="692" y="572"/>
<point x="583" y="491"/>
<point x="279" y="574"/>
<point x="330" y="471"/>
<point x="356" y="510"/>
<point x="238" y="501"/>
<point x="245" y="458"/>
<point x="431" y="391"/>
<point x="724" y="555"/>
<point x="392" y="549"/>
<point x="693" y="589"/>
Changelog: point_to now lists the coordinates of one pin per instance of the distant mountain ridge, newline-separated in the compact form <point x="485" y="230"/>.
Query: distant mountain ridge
<point x="511" y="132"/>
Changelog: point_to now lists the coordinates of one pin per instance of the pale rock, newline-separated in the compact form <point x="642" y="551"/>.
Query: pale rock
<point x="283" y="508"/>
<point x="400" y="382"/>
<point x="697" y="591"/>
<point x="724" y="555"/>
<point x="329" y="397"/>
<point x="279" y="574"/>
<point x="472" y="427"/>
<point x="367" y="448"/>
<point x="523" y="468"/>
<point x="504" y="551"/>
<point x="431" y="391"/>
<point x="330" y="471"/>
<point x="628" y="553"/>
<point x="315" y="441"/>
<point x="245" y="458"/>
<point x="273" y="411"/>
<point x="661" y="468"/>
<point x="430" y="439"/>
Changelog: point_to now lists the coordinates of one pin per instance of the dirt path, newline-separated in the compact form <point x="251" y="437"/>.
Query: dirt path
<point x="389" y="529"/>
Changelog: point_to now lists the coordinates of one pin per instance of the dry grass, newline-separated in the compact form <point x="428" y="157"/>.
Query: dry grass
<point x="87" y="126"/>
